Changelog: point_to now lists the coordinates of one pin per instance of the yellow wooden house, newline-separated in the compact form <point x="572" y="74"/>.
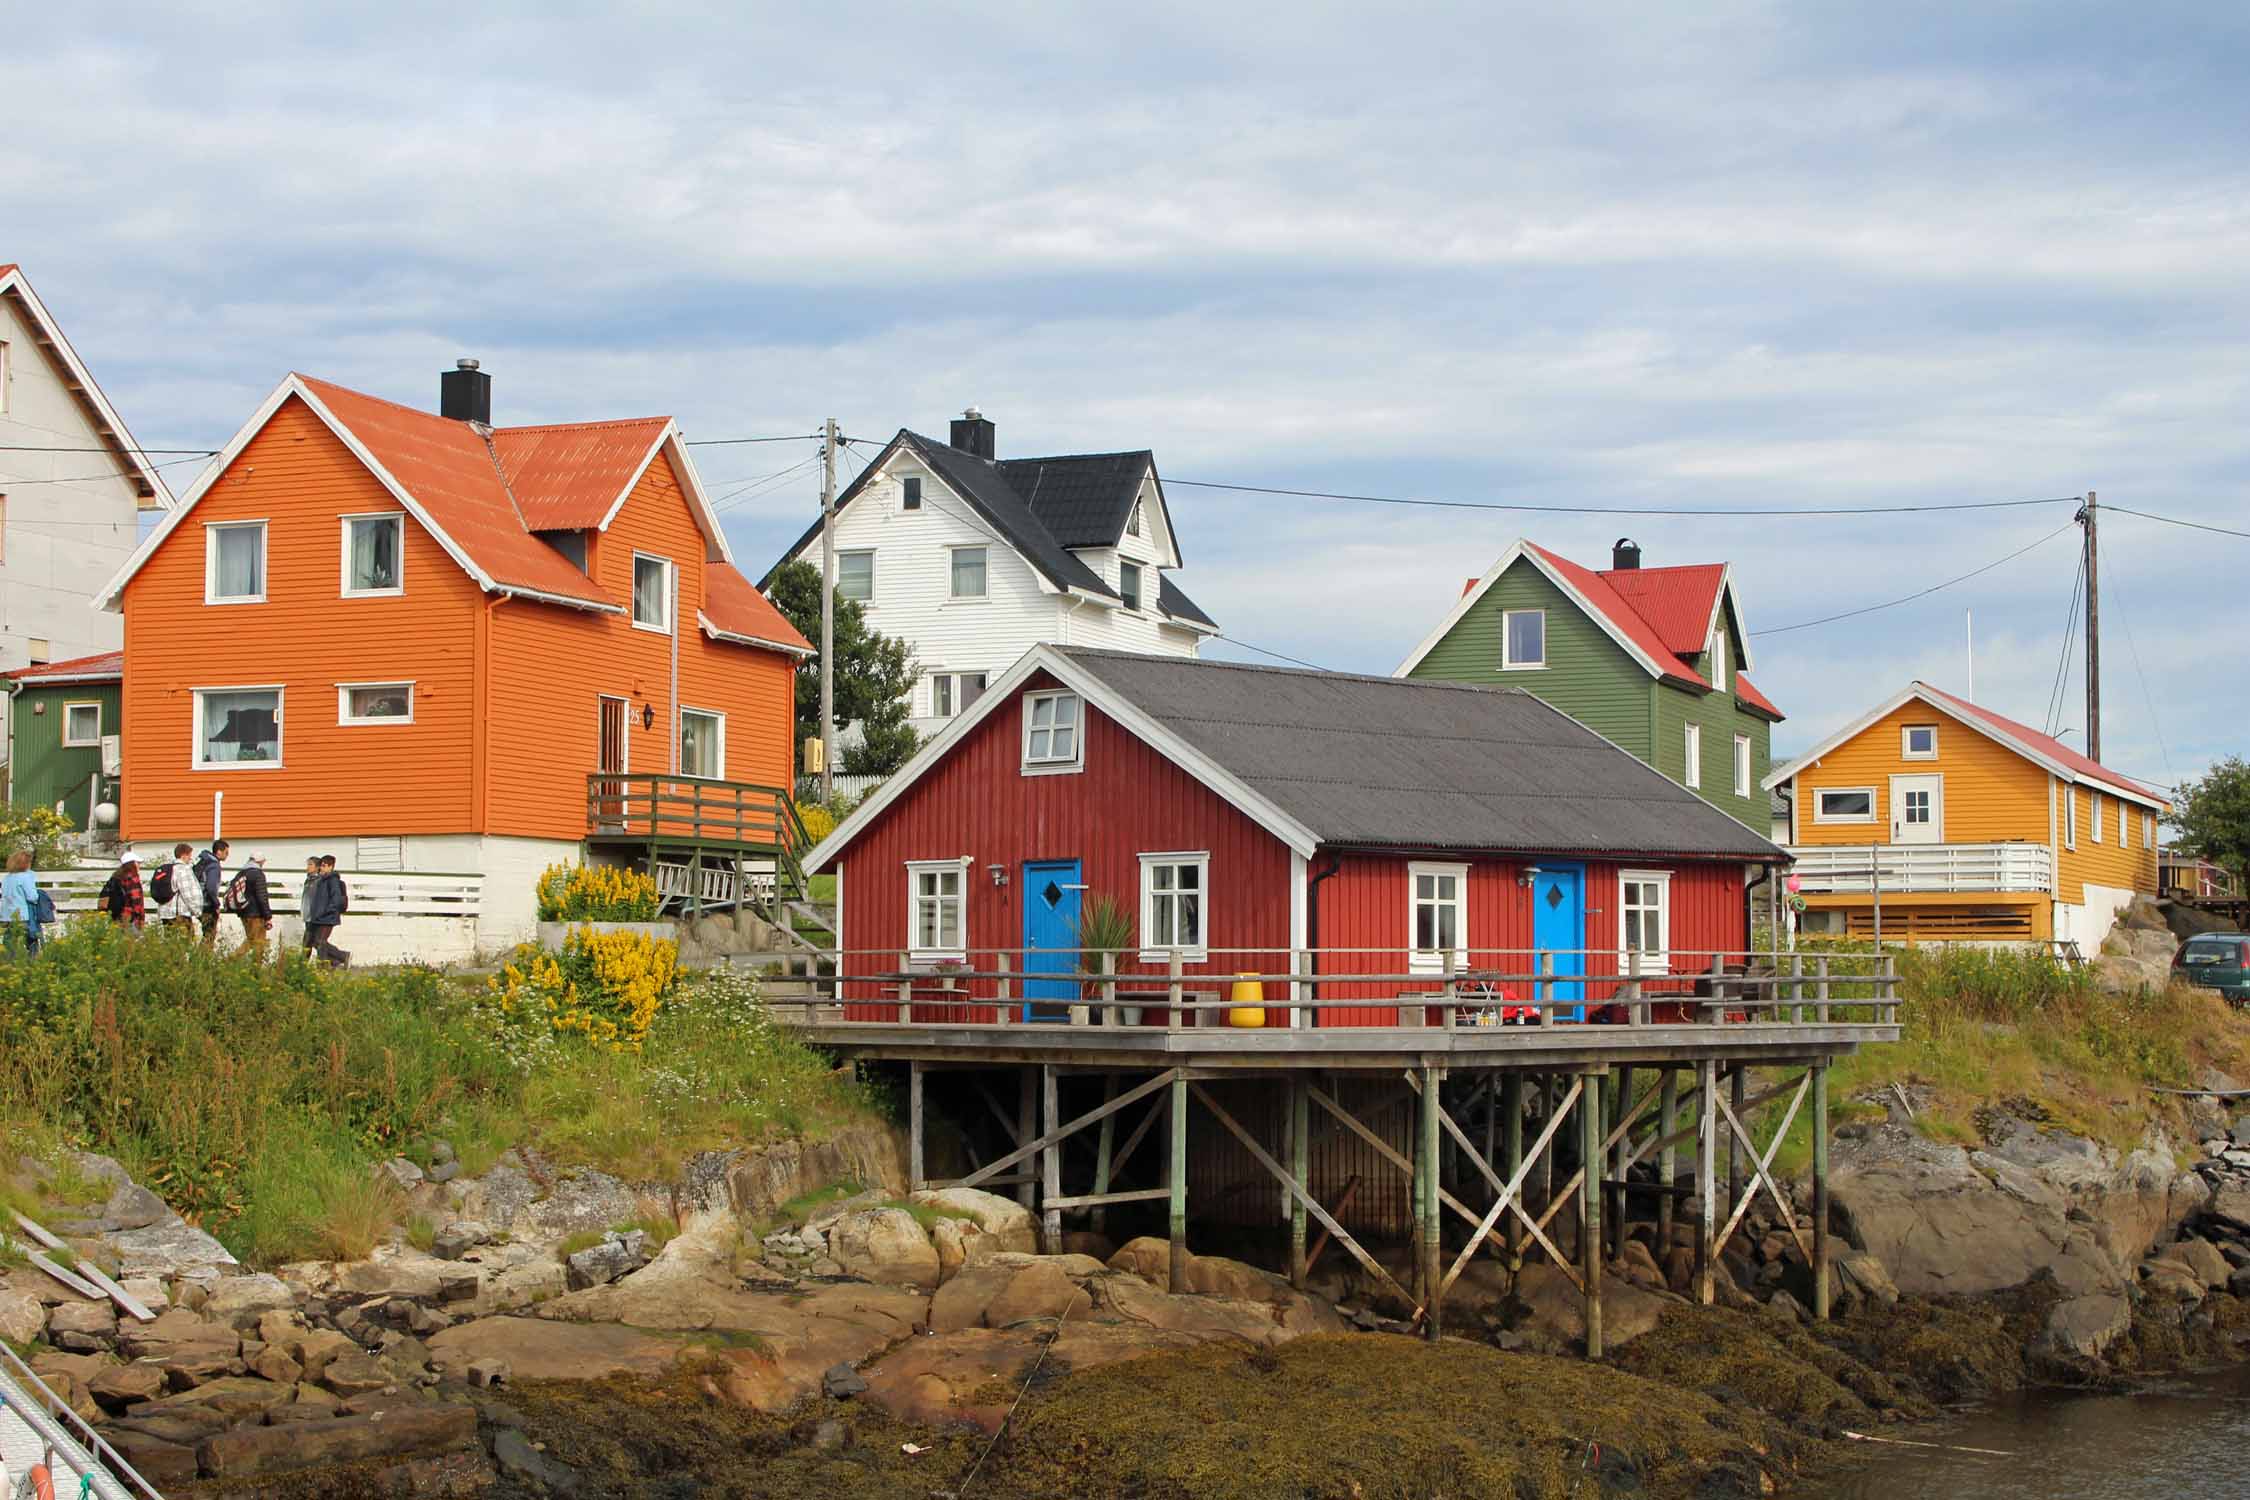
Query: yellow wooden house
<point x="1953" y="822"/>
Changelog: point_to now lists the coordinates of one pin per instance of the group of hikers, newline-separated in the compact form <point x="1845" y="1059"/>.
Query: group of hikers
<point x="189" y="893"/>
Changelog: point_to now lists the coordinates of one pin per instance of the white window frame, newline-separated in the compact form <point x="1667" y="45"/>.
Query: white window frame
<point x="1721" y="660"/>
<point x="915" y="870"/>
<point x="3" y="375"/>
<point x="1660" y="960"/>
<point x="952" y="555"/>
<point x="1432" y="960"/>
<point x="953" y="703"/>
<point x="1051" y="764"/>
<point x="1691" y="757"/>
<point x="1742" y="765"/>
<point x="910" y="502"/>
<point x="671" y="593"/>
<point x="1200" y="861"/>
<point x="2124" y="825"/>
<point x="721" y="720"/>
<point x="1508" y="662"/>
<point x="211" y="530"/>
<point x="1906" y="750"/>
<point x="1820" y="813"/>
<point x="397" y="518"/>
<point x="1132" y="521"/>
<point x="2148" y="830"/>
<point x="196" y="762"/>
<point x="80" y="742"/>
<point x="869" y="554"/>
<point x="2070" y="817"/>
<point x="2094" y="814"/>
<point x="344" y="714"/>
<point x="1139" y="601"/>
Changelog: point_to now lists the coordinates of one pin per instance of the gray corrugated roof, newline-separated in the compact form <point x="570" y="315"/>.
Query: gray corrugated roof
<point x="1082" y="498"/>
<point x="1381" y="761"/>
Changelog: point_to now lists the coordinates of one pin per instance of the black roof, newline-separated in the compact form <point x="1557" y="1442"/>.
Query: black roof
<point x="1402" y="763"/>
<point x="1042" y="507"/>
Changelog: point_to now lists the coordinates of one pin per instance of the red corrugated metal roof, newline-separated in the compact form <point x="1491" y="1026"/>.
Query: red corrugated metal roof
<point x="1749" y="694"/>
<point x="1596" y="590"/>
<point x="567" y="476"/>
<point x="2046" y="745"/>
<point x="732" y="605"/>
<point x="1676" y="601"/>
<point x="79" y="668"/>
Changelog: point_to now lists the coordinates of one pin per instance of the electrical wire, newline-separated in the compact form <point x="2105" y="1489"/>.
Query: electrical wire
<point x="1869" y="609"/>
<point x="122" y="472"/>
<point x="1627" y="510"/>
<point x="144" y="452"/>
<point x="2053" y="720"/>
<point x="2147" y="698"/>
<point x="749" y="488"/>
<point x="1295" y="661"/>
<point x="2107" y="508"/>
<point x="793" y="437"/>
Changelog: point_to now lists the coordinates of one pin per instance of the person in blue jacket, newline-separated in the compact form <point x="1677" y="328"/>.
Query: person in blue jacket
<point x="20" y="904"/>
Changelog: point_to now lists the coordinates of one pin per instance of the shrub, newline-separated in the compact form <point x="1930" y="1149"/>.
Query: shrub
<point x="39" y="829"/>
<point x="597" y="893"/>
<point x="604" y="986"/>
<point x="819" y="821"/>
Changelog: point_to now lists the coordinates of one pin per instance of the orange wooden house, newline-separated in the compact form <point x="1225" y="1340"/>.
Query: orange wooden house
<point x="426" y="644"/>
<point x="1955" y="822"/>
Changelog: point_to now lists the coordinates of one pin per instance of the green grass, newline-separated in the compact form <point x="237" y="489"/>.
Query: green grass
<point x="256" y="1099"/>
<point x="927" y="1215"/>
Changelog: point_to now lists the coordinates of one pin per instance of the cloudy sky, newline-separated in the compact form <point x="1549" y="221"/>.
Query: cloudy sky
<point x="1691" y="256"/>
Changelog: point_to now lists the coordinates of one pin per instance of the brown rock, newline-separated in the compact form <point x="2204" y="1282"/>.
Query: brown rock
<point x="350" y="1374"/>
<point x="186" y="1425"/>
<point x="1147" y="1257"/>
<point x="1679" y="1270"/>
<point x="154" y="1459"/>
<point x="194" y="1367"/>
<point x="82" y="1326"/>
<point x="173" y="1331"/>
<point x="886" y="1245"/>
<point x="1085" y="1242"/>
<point x="271" y="1364"/>
<point x="120" y="1386"/>
<point x="961" y="1302"/>
<point x="231" y="1398"/>
<point x="279" y="1328"/>
<point x="1036" y="1292"/>
<point x="1554" y="1304"/>
<point x="314" y="1350"/>
<point x="398" y="1433"/>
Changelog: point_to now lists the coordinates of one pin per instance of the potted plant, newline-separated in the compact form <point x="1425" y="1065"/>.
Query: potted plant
<point x="1105" y="930"/>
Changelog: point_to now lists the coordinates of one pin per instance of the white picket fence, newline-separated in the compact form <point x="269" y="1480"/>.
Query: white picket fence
<point x="394" y="916"/>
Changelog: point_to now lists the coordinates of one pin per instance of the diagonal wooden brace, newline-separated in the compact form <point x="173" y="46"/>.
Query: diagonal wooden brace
<point x="1507" y="1199"/>
<point x="1392" y="1155"/>
<point x="1071" y="1127"/>
<point x="1764" y="1177"/>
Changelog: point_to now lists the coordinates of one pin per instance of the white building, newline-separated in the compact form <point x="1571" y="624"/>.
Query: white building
<point x="72" y="485"/>
<point x="974" y="560"/>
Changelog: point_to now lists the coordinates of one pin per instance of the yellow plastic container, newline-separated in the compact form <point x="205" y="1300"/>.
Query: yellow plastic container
<point x="1249" y="1003"/>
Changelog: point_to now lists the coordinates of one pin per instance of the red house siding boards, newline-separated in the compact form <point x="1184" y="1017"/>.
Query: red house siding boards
<point x="1129" y="800"/>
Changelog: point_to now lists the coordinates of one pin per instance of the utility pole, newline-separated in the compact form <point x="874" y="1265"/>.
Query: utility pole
<point x="828" y="611"/>
<point x="2093" y="633"/>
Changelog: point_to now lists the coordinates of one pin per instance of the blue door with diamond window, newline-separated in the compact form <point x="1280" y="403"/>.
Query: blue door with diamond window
<point x="1051" y="888"/>
<point x="1558" y="927"/>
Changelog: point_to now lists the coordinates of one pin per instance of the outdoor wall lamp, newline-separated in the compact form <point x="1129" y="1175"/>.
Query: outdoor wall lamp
<point x="648" y="716"/>
<point x="999" y="874"/>
<point x="1526" y="875"/>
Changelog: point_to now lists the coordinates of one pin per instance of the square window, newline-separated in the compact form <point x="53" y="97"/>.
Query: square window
<point x="910" y="492"/>
<point x="375" y="703"/>
<point x="855" y="576"/>
<point x="703" y="744"/>
<point x="235" y="563"/>
<point x="371" y="553"/>
<point x="935" y="893"/>
<point x="237" y="727"/>
<point x="81" y="726"/>
<point x="1523" y="639"/>
<point x="968" y="572"/>
<point x="1852" y="804"/>
<point x="1129" y="584"/>
<point x="1051" y="731"/>
<point x="1172" y="904"/>
<point x="652" y="593"/>
<point x="952" y="692"/>
<point x="1918" y="741"/>
<point x="1437" y="916"/>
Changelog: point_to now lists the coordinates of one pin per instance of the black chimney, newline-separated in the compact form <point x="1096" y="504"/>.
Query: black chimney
<point x="465" y="393"/>
<point x="972" y="433"/>
<point x="1625" y="554"/>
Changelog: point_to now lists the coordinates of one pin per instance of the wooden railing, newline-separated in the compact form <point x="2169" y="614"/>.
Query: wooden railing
<point x="737" y="815"/>
<point x="1923" y="869"/>
<point x="374" y="893"/>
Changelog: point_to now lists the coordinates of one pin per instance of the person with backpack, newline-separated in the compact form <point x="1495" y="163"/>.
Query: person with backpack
<point x="122" y="897"/>
<point x="210" y="875"/>
<point x="175" y="891"/>
<point x="248" y="898"/>
<point x="326" y="900"/>
<point x="25" y="910"/>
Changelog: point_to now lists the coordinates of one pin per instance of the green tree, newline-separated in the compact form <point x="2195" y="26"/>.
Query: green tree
<point x="2212" y="815"/>
<point x="874" y="674"/>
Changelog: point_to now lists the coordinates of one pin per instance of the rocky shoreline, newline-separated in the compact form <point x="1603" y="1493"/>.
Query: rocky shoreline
<point x="546" y="1343"/>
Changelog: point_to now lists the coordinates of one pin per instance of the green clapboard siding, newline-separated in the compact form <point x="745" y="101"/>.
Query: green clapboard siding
<point x="41" y="770"/>
<point x="1721" y="720"/>
<point x="1587" y="675"/>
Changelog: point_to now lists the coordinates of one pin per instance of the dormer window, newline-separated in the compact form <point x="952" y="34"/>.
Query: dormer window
<point x="1052" y="733"/>
<point x="1133" y="521"/>
<point x="652" y="593"/>
<point x="571" y="544"/>
<point x="1719" y="660"/>
<point x="910" y="492"/>
<point x="1129" y="585"/>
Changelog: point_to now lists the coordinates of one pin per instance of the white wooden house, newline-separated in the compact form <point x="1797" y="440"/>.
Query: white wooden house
<point x="973" y="559"/>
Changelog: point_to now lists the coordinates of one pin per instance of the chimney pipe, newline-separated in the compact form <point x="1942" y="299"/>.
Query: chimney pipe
<point x="1624" y="555"/>
<point x="973" y="434"/>
<point x="465" y="393"/>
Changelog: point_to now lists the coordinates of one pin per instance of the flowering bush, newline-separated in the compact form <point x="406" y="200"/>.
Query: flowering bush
<point x="39" y="829"/>
<point x="596" y="893"/>
<point x="607" y="987"/>
<point x="819" y="821"/>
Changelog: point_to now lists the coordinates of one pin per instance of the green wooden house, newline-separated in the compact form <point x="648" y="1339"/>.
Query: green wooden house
<point x="58" y="714"/>
<point x="1653" y="659"/>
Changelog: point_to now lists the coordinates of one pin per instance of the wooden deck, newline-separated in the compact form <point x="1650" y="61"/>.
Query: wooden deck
<point x="710" y="844"/>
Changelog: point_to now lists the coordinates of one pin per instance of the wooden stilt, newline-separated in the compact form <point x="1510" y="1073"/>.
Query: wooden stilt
<point x="1820" y="1290"/>
<point x="1547" y="1159"/>
<point x="1300" y="1166"/>
<point x="1050" y="1161"/>
<point x="1590" y="1207"/>
<point x="1667" y="1157"/>
<point x="1736" y="1083"/>
<point x="1099" y="1220"/>
<point x="1614" y="1213"/>
<point x="1176" y="1279"/>
<point x="917" y="1165"/>
<point x="1706" y="1174"/>
<point x="1433" y="1294"/>
<point x="1027" y="1127"/>
<point x="1511" y="1124"/>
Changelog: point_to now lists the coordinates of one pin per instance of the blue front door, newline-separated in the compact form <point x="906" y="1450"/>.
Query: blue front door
<point x="1558" y="927"/>
<point x="1051" y="888"/>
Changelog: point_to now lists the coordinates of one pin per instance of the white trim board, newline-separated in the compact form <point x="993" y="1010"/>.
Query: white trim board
<point x="136" y="457"/>
<point x="1521" y="550"/>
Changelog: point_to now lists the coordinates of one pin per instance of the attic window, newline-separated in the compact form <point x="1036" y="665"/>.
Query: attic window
<point x="652" y="593"/>
<point x="910" y="493"/>
<point x="1051" y="738"/>
<point x="1133" y="521"/>
<point x="1129" y="584"/>
<point x="571" y="544"/>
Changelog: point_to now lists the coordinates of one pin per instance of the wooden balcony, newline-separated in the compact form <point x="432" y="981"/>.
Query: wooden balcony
<point x="686" y="822"/>
<point x="1923" y="869"/>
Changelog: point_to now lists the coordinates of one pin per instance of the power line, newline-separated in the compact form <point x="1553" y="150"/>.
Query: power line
<point x="2053" y="721"/>
<point x="1295" y="661"/>
<point x="2176" y="521"/>
<point x="1919" y="593"/>
<point x="123" y="472"/>
<point x="1626" y="510"/>
<point x="2133" y="646"/>
<point x="751" y="488"/>
<point x="42" y="448"/>
<point x="794" y="437"/>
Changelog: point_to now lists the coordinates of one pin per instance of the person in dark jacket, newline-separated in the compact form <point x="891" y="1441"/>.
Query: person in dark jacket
<point x="253" y="902"/>
<point x="326" y="902"/>
<point x="122" y="896"/>
<point x="211" y="874"/>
